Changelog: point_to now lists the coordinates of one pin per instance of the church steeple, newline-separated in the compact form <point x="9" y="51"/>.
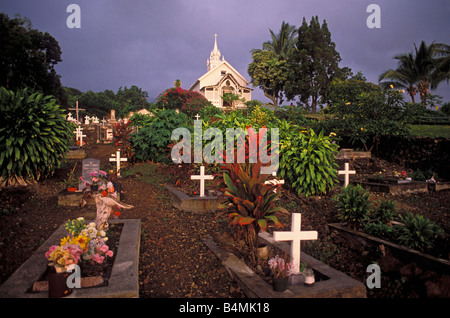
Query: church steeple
<point x="214" y="57"/>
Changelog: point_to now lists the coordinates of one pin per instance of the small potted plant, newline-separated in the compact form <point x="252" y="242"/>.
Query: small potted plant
<point x="71" y="182"/>
<point x="281" y="270"/>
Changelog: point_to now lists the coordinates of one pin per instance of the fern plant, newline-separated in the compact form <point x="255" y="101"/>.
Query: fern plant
<point x="34" y="136"/>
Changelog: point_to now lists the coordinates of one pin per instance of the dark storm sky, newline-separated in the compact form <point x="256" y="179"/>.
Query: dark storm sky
<point x="152" y="43"/>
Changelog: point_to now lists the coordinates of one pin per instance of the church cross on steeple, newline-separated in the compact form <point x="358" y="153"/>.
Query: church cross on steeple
<point x="214" y="57"/>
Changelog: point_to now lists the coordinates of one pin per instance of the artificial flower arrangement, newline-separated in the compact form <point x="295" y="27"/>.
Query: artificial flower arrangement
<point x="84" y="242"/>
<point x="280" y="268"/>
<point x="99" y="176"/>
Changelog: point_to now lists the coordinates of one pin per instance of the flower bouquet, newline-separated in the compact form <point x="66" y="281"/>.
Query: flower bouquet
<point x="281" y="270"/>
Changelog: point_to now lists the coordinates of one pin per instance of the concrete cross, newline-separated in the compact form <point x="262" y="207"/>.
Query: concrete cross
<point x="347" y="173"/>
<point x="296" y="236"/>
<point x="117" y="159"/>
<point x="197" y="116"/>
<point x="76" y="109"/>
<point x="202" y="177"/>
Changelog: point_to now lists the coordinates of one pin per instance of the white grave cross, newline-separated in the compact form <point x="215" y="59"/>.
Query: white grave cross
<point x="79" y="135"/>
<point x="117" y="159"/>
<point x="197" y="117"/>
<point x="296" y="236"/>
<point x="202" y="177"/>
<point x="347" y="173"/>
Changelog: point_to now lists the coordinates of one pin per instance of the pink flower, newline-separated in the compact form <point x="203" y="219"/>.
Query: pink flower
<point x="109" y="253"/>
<point x="104" y="248"/>
<point x="50" y="250"/>
<point x="97" y="258"/>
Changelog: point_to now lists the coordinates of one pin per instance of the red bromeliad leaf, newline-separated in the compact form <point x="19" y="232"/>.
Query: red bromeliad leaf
<point x="246" y="220"/>
<point x="262" y="224"/>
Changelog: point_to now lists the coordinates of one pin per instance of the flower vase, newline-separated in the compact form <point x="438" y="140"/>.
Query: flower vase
<point x="57" y="283"/>
<point x="280" y="284"/>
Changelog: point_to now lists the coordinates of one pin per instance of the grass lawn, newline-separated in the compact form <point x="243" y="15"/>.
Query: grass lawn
<point x="432" y="131"/>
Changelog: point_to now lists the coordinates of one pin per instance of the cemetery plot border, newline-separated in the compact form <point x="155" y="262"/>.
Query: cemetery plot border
<point x="406" y="253"/>
<point x="338" y="285"/>
<point x="123" y="281"/>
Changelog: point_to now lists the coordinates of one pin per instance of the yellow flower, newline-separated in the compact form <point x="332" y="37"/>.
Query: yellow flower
<point x="332" y="134"/>
<point x="437" y="107"/>
<point x="391" y="86"/>
<point x="347" y="103"/>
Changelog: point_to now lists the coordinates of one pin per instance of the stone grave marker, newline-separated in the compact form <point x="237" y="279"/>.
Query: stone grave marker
<point x="88" y="165"/>
<point x="295" y="236"/>
<point x="347" y="173"/>
<point x="202" y="177"/>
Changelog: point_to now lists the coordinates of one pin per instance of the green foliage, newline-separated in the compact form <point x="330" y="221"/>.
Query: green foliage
<point x="385" y="211"/>
<point x="381" y="230"/>
<point x="189" y="102"/>
<point x="152" y="141"/>
<point x="307" y="160"/>
<point x="353" y="205"/>
<point x="365" y="112"/>
<point x="420" y="175"/>
<point x="28" y="57"/>
<point x="253" y="201"/>
<point x="313" y="64"/>
<point x="323" y="250"/>
<point x="269" y="73"/>
<point x="34" y="136"/>
<point x="419" y="233"/>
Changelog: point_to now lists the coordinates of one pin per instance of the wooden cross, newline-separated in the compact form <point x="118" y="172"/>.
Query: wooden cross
<point x="76" y="109"/>
<point x="117" y="159"/>
<point x="202" y="177"/>
<point x="347" y="173"/>
<point x="296" y="236"/>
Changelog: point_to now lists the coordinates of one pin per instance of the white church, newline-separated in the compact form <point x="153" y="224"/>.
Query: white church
<point x="221" y="78"/>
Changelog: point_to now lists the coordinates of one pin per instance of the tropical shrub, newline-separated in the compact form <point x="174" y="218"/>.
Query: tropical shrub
<point x="307" y="160"/>
<point x="353" y="205"/>
<point x="381" y="230"/>
<point x="385" y="211"/>
<point x="419" y="232"/>
<point x="364" y="112"/>
<point x="253" y="201"/>
<point x="152" y="141"/>
<point x="187" y="101"/>
<point x="34" y="136"/>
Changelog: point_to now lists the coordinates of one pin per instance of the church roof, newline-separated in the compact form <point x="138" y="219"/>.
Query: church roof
<point x="216" y="67"/>
<point x="210" y="78"/>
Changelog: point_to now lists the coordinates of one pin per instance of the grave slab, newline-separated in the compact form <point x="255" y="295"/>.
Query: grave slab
<point x="123" y="281"/>
<point x="182" y="201"/>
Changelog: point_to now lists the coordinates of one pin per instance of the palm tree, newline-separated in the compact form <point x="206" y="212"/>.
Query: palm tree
<point x="404" y="77"/>
<point x="420" y="72"/>
<point x="281" y="43"/>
